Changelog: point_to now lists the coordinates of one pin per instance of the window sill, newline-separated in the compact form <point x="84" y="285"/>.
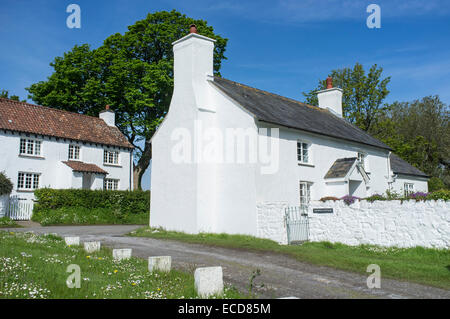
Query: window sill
<point x="305" y="164"/>
<point x="113" y="165"/>
<point x="31" y="156"/>
<point x="25" y="190"/>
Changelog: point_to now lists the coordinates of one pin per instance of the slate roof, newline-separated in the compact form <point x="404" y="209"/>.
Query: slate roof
<point x="30" y="118"/>
<point x="400" y="166"/>
<point x="340" y="167"/>
<point x="276" y="109"/>
<point x="77" y="166"/>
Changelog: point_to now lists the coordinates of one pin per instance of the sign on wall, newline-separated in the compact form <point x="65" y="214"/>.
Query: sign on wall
<point x="323" y="210"/>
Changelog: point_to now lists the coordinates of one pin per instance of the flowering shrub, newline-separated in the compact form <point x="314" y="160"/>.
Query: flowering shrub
<point x="418" y="196"/>
<point x="348" y="199"/>
<point x="375" y="197"/>
<point x="324" y="199"/>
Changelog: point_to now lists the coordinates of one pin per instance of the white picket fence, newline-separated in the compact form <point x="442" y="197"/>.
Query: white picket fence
<point x="19" y="209"/>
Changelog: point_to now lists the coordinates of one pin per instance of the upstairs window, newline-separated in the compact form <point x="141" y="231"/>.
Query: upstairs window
<point x="30" y="147"/>
<point x="408" y="189"/>
<point x="303" y="153"/>
<point x="28" y="181"/>
<point x="111" y="157"/>
<point x="74" y="152"/>
<point x="110" y="184"/>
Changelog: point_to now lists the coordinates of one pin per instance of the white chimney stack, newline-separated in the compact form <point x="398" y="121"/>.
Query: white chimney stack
<point x="108" y="116"/>
<point x="331" y="98"/>
<point x="193" y="63"/>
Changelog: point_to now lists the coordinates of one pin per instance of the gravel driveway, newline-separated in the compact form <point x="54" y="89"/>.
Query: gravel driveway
<point x="281" y="276"/>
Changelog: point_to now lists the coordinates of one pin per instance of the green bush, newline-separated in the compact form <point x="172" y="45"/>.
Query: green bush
<point x="80" y="206"/>
<point x="440" y="194"/>
<point x="375" y="197"/>
<point x="6" y="185"/>
<point x="435" y="184"/>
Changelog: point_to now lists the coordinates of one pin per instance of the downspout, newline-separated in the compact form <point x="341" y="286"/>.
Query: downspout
<point x="131" y="170"/>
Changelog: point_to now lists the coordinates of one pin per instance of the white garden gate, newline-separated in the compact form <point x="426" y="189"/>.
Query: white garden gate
<point x="20" y="208"/>
<point x="297" y="224"/>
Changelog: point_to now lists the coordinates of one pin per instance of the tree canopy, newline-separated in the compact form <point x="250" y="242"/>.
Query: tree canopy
<point x="363" y="94"/>
<point x="131" y="72"/>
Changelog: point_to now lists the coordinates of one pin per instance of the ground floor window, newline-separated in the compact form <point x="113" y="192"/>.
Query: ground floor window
<point x="408" y="189"/>
<point x="110" y="184"/>
<point x="28" y="181"/>
<point x="305" y="193"/>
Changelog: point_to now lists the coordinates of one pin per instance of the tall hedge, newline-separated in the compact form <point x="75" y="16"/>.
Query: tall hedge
<point x="127" y="202"/>
<point x="6" y="185"/>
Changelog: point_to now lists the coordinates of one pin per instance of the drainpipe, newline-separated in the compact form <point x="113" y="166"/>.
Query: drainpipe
<point x="131" y="170"/>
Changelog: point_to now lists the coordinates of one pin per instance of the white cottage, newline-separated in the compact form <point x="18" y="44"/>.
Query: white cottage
<point x="47" y="147"/>
<point x="224" y="149"/>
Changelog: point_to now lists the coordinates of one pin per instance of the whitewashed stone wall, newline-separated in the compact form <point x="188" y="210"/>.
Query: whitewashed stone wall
<point x="4" y="200"/>
<point x="271" y="223"/>
<point x="384" y="223"/>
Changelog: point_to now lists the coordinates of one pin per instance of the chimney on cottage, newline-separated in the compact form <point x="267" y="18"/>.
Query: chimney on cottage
<point x="108" y="116"/>
<point x="193" y="60"/>
<point x="331" y="98"/>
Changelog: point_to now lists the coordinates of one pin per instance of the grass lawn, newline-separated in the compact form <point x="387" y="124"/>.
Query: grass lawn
<point x="422" y="265"/>
<point x="33" y="266"/>
<point x="6" y="222"/>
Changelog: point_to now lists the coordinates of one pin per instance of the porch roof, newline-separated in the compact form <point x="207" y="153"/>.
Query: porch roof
<point x="77" y="166"/>
<point x="340" y="167"/>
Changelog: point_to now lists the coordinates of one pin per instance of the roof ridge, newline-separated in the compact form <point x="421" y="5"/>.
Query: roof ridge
<point x="48" y="107"/>
<point x="275" y="94"/>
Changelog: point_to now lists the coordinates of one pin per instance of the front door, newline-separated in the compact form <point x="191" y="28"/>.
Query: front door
<point x="87" y="180"/>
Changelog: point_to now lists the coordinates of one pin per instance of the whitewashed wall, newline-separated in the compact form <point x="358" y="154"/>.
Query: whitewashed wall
<point x="4" y="199"/>
<point x="384" y="223"/>
<point x="271" y="222"/>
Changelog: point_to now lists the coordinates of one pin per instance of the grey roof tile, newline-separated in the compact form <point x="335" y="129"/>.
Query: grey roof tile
<point x="340" y="167"/>
<point x="400" y="166"/>
<point x="276" y="109"/>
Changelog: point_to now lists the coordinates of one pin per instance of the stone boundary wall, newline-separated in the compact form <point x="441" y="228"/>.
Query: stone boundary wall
<point x="383" y="223"/>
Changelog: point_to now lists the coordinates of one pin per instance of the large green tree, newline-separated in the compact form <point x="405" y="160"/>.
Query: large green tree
<point x="419" y="132"/>
<point x="132" y="72"/>
<point x="363" y="94"/>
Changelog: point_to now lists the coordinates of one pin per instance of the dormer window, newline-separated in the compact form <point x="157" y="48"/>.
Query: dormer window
<point x="74" y="152"/>
<point x="30" y="147"/>
<point x="303" y="152"/>
<point x="111" y="157"/>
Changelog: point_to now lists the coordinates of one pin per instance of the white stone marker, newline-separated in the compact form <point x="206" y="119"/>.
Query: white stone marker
<point x="208" y="281"/>
<point x="160" y="263"/>
<point x="72" y="241"/>
<point x="119" y="254"/>
<point x="92" y="246"/>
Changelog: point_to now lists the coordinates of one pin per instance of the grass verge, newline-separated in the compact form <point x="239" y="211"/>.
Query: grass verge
<point x="6" y="222"/>
<point x="34" y="266"/>
<point x="421" y="265"/>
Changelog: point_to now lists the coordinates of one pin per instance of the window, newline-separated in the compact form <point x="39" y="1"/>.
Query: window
<point x="303" y="155"/>
<point x="74" y="152"/>
<point x="362" y="160"/>
<point x="408" y="189"/>
<point x="111" y="157"/>
<point x="30" y="147"/>
<point x="305" y="193"/>
<point x="28" y="181"/>
<point x="110" y="184"/>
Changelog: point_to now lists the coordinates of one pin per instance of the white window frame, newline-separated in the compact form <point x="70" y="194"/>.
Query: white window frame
<point x="301" y="152"/>
<point x="73" y="151"/>
<point x="109" y="158"/>
<point x="362" y="159"/>
<point x="305" y="193"/>
<point x="110" y="184"/>
<point x="28" y="181"/>
<point x="408" y="189"/>
<point x="30" y="147"/>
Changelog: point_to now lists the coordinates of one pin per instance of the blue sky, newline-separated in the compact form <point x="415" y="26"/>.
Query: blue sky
<point x="280" y="46"/>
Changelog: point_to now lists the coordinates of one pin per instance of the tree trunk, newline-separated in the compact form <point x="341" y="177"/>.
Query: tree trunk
<point x="142" y="165"/>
